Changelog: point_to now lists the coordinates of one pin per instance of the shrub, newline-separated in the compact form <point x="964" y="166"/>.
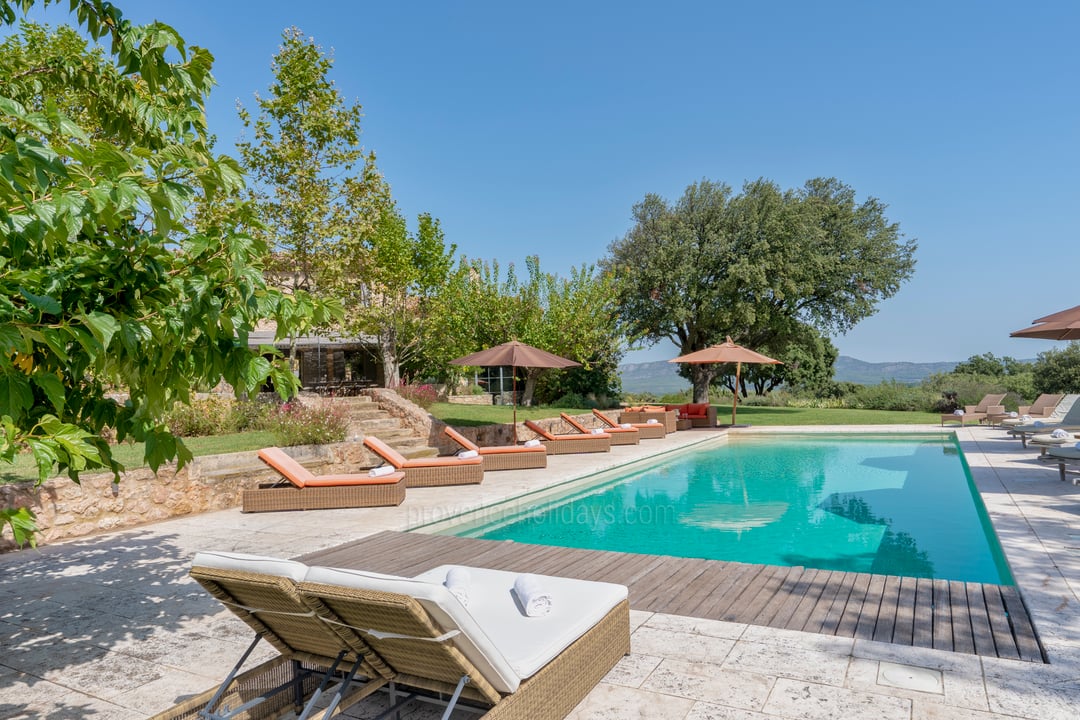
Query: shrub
<point x="213" y="415"/>
<point x="574" y="401"/>
<point x="252" y="414"/>
<point x="892" y="395"/>
<point x="296" y="424"/>
<point x="423" y="395"/>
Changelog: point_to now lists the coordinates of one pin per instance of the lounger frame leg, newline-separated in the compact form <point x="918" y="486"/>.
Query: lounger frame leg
<point x="454" y="698"/>
<point x="208" y="711"/>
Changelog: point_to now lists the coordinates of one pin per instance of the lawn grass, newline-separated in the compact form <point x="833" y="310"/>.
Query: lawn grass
<point x="463" y="415"/>
<point x="459" y="415"/>
<point x="130" y="455"/>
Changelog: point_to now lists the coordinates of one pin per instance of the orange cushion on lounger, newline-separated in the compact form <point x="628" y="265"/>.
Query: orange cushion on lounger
<point x="539" y="430"/>
<point x="399" y="461"/>
<point x="460" y="439"/>
<point x="281" y="461"/>
<point x="350" y="479"/>
<point x="697" y="409"/>
<point x="301" y="477"/>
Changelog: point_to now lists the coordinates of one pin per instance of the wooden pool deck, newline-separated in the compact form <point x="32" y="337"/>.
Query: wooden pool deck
<point x="945" y="615"/>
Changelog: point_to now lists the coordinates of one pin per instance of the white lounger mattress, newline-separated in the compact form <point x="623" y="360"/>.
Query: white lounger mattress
<point x="530" y="643"/>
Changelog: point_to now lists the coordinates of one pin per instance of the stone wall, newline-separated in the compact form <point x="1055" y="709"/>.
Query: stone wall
<point x="214" y="482"/>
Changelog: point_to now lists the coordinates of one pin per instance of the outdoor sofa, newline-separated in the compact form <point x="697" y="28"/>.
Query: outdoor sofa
<point x="699" y="414"/>
<point x="302" y="490"/>
<point x="430" y="471"/>
<point x="502" y="457"/>
<point x="352" y="634"/>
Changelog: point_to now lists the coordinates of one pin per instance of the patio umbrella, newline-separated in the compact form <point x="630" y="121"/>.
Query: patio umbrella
<point x="727" y="352"/>
<point x="515" y="354"/>
<point x="1064" y="325"/>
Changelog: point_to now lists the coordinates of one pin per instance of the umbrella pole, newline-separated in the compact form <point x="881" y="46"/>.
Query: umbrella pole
<point x="513" y="397"/>
<point x="735" y="395"/>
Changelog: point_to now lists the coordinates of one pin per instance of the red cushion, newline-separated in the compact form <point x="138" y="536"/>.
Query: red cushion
<point x="698" y="409"/>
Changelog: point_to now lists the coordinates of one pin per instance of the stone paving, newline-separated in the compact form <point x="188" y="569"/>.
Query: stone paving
<point x="111" y="627"/>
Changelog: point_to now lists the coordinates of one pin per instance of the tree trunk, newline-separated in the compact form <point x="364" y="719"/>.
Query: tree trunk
<point x="388" y="354"/>
<point x="701" y="376"/>
<point x="530" y="386"/>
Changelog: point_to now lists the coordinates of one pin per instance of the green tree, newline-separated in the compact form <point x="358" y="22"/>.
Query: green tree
<point x="750" y="265"/>
<point x="316" y="192"/>
<point x="103" y="287"/>
<point x="396" y="302"/>
<point x="988" y="364"/>
<point x="1058" y="370"/>
<point x="572" y="317"/>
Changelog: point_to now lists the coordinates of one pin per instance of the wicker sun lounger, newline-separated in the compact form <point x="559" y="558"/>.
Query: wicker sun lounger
<point x="429" y="472"/>
<point x="1041" y="409"/>
<point x="1069" y="420"/>
<point x="503" y="457"/>
<point x="305" y="491"/>
<point x="647" y="430"/>
<point x="412" y="635"/>
<point x="619" y="435"/>
<point x="567" y="444"/>
<point x="990" y="404"/>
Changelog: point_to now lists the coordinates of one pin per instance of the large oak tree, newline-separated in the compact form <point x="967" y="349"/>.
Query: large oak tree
<point x="754" y="265"/>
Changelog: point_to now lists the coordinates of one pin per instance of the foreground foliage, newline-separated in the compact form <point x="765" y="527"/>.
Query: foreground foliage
<point x="104" y="289"/>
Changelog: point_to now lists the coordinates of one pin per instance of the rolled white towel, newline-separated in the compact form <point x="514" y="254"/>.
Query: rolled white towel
<point x="1059" y="434"/>
<point x="534" y="599"/>
<point x="957" y="412"/>
<point x="1025" y="418"/>
<point x="380" y="471"/>
<point x="532" y="443"/>
<point x="1013" y="413"/>
<point x="652" y="421"/>
<point x="468" y="454"/>
<point x="457" y="582"/>
<point x="625" y="426"/>
<point x="597" y="431"/>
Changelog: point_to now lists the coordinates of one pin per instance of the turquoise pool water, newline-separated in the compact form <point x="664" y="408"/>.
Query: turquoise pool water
<point x="891" y="505"/>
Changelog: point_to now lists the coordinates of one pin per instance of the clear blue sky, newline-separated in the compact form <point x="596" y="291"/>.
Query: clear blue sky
<point x="533" y="128"/>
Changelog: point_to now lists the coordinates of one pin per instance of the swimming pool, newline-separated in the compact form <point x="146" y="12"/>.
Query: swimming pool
<point x="894" y="505"/>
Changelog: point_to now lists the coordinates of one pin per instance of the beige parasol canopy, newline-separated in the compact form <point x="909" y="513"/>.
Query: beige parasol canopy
<point x="515" y="354"/>
<point x="727" y="352"/>
<point x="1064" y="325"/>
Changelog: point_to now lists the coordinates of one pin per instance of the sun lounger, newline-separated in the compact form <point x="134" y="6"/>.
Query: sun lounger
<point x="503" y="457"/>
<point x="990" y="404"/>
<point x="263" y="592"/>
<point x="619" y="435"/>
<point x="647" y="430"/>
<point x="414" y="633"/>
<point x="1064" y="456"/>
<point x="566" y="444"/>
<point x="1041" y="409"/>
<point x="1069" y="421"/>
<point x="1047" y="440"/>
<point x="305" y="491"/>
<point x="429" y="472"/>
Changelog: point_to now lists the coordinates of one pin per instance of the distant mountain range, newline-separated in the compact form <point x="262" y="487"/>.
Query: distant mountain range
<point x="662" y="377"/>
